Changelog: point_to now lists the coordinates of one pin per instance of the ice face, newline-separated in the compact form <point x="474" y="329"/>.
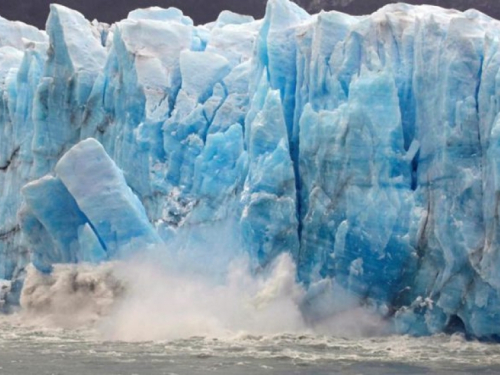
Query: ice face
<point x="87" y="213"/>
<point x="58" y="214"/>
<point x="366" y="147"/>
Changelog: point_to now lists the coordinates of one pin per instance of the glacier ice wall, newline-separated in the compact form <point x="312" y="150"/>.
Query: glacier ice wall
<point x="366" y="147"/>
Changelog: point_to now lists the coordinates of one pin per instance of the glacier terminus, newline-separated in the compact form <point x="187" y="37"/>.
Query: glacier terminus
<point x="367" y="148"/>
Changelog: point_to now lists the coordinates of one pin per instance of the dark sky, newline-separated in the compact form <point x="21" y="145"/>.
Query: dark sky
<point x="35" y="11"/>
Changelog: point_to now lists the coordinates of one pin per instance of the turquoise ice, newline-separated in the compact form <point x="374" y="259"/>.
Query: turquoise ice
<point x="366" y="147"/>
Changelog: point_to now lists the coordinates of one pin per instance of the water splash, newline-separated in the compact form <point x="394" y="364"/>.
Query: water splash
<point x="153" y="299"/>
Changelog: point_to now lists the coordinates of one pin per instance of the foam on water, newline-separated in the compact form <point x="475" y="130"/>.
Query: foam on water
<point x="160" y="317"/>
<point x="301" y="354"/>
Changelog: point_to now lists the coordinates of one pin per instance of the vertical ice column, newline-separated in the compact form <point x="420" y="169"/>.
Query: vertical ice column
<point x="101" y="192"/>
<point x="269" y="219"/>
<point x="59" y="219"/>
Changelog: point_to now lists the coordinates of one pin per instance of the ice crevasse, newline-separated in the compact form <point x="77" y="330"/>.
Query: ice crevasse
<point x="366" y="147"/>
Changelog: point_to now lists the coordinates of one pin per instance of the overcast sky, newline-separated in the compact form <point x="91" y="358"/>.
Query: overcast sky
<point x="202" y="11"/>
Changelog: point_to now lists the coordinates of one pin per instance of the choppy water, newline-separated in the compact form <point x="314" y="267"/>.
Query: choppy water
<point x="27" y="350"/>
<point x="159" y="305"/>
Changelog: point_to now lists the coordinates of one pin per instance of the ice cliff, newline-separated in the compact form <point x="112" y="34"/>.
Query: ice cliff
<point x="366" y="147"/>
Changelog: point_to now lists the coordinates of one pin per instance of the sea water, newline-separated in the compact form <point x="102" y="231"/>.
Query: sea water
<point x="28" y="350"/>
<point x="165" y="323"/>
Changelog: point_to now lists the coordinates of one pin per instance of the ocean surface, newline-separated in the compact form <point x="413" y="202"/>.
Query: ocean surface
<point x="46" y="351"/>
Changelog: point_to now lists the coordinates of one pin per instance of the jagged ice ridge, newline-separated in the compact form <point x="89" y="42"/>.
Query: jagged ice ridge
<point x="366" y="147"/>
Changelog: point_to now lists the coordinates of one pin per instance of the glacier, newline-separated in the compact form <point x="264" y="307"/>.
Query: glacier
<point x="365" y="147"/>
